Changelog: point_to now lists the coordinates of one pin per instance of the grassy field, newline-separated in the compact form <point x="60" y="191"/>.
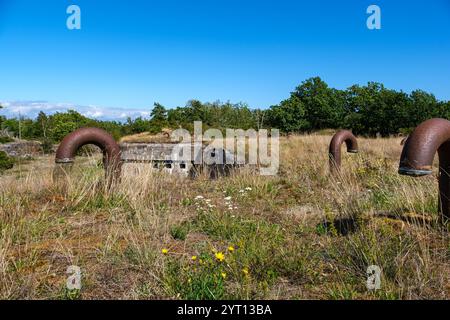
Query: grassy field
<point x="300" y="235"/>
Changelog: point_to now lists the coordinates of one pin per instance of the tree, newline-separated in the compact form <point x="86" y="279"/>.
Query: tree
<point x="159" y="113"/>
<point x="423" y="106"/>
<point x="177" y="117"/>
<point x="196" y="111"/>
<point x="137" y="125"/>
<point x="373" y="109"/>
<point x="158" y="118"/>
<point x="63" y="123"/>
<point x="324" y="107"/>
<point x="289" y="116"/>
<point x="260" y="117"/>
<point x="313" y="105"/>
<point x="41" y="125"/>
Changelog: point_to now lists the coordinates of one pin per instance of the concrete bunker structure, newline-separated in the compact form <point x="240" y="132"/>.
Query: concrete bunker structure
<point x="186" y="159"/>
<point x="167" y="157"/>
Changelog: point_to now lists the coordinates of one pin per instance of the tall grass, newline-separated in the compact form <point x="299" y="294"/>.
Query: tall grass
<point x="301" y="234"/>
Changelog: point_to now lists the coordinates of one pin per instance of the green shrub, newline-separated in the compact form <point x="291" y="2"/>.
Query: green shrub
<point x="47" y="146"/>
<point x="180" y="232"/>
<point x="6" y="162"/>
<point x="5" y="139"/>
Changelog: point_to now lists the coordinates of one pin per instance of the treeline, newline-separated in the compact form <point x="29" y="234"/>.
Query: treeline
<point x="313" y="105"/>
<point x="367" y="110"/>
<point x="53" y="128"/>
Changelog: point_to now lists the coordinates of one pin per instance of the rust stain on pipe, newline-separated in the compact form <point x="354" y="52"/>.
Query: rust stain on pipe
<point x="335" y="147"/>
<point x="111" y="151"/>
<point x="418" y="153"/>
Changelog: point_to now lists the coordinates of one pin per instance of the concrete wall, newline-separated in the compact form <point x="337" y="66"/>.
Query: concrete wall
<point x="22" y="149"/>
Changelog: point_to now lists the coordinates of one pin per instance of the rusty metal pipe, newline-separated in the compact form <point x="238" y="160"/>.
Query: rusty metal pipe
<point x="335" y="148"/>
<point x="65" y="155"/>
<point x="418" y="153"/>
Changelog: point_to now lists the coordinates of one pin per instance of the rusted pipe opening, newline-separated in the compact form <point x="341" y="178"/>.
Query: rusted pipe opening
<point x="342" y="136"/>
<point x="418" y="153"/>
<point x="413" y="172"/>
<point x="65" y="155"/>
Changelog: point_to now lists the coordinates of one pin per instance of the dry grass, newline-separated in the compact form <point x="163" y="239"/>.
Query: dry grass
<point x="147" y="137"/>
<point x="301" y="234"/>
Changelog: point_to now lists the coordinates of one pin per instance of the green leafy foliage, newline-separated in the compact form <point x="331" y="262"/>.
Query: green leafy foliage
<point x="6" y="139"/>
<point x="313" y="106"/>
<point x="6" y="162"/>
<point x="367" y="110"/>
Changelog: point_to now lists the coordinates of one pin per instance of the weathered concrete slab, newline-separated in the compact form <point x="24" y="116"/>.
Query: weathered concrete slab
<point x="175" y="158"/>
<point x="148" y="152"/>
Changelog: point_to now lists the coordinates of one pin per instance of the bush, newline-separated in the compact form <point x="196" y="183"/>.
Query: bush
<point x="6" y="162"/>
<point x="47" y="146"/>
<point x="6" y="139"/>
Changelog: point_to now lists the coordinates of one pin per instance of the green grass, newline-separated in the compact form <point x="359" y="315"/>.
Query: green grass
<point x="302" y="234"/>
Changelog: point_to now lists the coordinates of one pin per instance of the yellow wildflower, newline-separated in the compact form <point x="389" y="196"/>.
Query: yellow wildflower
<point x="231" y="248"/>
<point x="194" y="258"/>
<point x="220" y="256"/>
<point x="224" y="275"/>
<point x="165" y="251"/>
<point x="245" y="271"/>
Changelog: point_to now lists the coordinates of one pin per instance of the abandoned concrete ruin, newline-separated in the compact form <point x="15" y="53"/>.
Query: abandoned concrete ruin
<point x="166" y="157"/>
<point x="184" y="159"/>
<point x="22" y="149"/>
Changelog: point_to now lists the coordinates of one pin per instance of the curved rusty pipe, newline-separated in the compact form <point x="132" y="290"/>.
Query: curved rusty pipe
<point x="418" y="152"/>
<point x="335" y="147"/>
<point x="111" y="151"/>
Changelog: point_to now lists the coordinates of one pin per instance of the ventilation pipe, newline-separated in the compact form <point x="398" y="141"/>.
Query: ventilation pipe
<point x="335" y="148"/>
<point x="418" y="152"/>
<point x="65" y="155"/>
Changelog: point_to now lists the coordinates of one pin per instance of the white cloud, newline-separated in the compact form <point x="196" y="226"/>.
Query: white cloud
<point x="32" y="108"/>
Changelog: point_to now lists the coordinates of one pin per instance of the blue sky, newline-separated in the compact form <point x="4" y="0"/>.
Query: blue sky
<point x="130" y="54"/>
